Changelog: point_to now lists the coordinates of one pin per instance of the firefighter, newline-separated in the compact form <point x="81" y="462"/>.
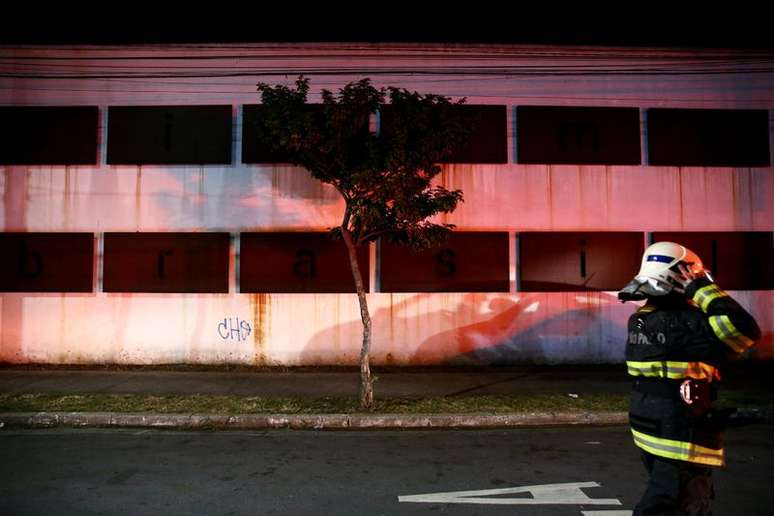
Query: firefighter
<point x="677" y="342"/>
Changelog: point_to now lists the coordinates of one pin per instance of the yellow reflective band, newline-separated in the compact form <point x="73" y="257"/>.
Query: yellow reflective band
<point x="705" y="295"/>
<point x="674" y="370"/>
<point x="679" y="450"/>
<point x="655" y="369"/>
<point x="727" y="332"/>
<point x="701" y="371"/>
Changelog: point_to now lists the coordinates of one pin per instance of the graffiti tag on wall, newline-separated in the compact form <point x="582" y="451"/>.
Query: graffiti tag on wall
<point x="234" y="329"/>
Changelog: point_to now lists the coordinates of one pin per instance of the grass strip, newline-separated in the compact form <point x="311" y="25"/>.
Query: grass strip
<point x="229" y="404"/>
<point x="219" y="404"/>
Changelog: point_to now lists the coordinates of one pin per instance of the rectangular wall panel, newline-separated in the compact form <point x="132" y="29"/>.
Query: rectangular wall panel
<point x="467" y="262"/>
<point x="166" y="262"/>
<point x="488" y="141"/>
<point x="297" y="262"/>
<point x="48" y="135"/>
<point x="254" y="147"/>
<point x="46" y="262"/>
<point x="169" y="135"/>
<point x="569" y="261"/>
<point x="578" y="135"/>
<point x="709" y="137"/>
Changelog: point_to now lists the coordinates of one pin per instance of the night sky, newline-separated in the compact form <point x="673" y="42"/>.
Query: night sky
<point x="612" y="38"/>
<point x="388" y="22"/>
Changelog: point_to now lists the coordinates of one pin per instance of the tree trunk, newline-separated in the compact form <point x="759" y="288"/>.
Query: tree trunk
<point x="366" y="382"/>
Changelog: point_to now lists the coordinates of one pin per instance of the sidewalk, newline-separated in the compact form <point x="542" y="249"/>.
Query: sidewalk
<point x="392" y="383"/>
<point x="309" y="382"/>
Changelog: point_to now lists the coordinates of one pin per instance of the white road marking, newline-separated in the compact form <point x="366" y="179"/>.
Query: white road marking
<point x="607" y="513"/>
<point x="567" y="493"/>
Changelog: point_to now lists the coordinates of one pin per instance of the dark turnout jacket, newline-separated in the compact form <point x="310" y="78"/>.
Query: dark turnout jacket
<point x="676" y="338"/>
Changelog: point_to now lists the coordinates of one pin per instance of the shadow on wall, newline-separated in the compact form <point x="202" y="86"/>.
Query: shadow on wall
<point x="482" y="329"/>
<point x="555" y="334"/>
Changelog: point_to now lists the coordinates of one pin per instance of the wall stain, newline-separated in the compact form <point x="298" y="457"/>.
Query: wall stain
<point x="67" y="201"/>
<point x="609" y="192"/>
<point x="138" y="196"/>
<point x="392" y="318"/>
<point x="15" y="202"/>
<point x="201" y="197"/>
<point x="550" y="196"/>
<point x="261" y="306"/>
<point x="581" y="197"/>
<point x="680" y="195"/>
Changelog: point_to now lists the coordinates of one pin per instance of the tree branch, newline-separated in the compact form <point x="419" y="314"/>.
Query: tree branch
<point x="347" y="215"/>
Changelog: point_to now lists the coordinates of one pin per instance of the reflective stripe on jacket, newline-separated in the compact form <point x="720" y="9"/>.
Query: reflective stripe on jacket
<point x="673" y="370"/>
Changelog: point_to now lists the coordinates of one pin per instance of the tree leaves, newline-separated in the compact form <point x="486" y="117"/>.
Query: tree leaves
<point x="385" y="179"/>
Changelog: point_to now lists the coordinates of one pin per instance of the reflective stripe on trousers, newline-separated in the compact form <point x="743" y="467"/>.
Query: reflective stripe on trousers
<point x="679" y="450"/>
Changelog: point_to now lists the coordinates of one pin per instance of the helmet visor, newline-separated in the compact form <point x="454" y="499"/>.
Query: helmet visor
<point x="642" y="287"/>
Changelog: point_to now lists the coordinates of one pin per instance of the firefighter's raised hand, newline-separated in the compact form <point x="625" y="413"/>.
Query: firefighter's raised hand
<point x="688" y="274"/>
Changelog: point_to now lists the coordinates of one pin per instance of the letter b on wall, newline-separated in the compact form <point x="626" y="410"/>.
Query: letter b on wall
<point x="46" y="262"/>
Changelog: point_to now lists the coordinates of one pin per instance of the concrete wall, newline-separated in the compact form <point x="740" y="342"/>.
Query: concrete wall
<point x="415" y="328"/>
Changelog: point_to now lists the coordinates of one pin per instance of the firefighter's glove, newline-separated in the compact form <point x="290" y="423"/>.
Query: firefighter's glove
<point x="689" y="272"/>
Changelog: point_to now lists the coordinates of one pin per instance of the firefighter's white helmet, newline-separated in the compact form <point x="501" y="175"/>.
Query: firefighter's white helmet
<point x="659" y="274"/>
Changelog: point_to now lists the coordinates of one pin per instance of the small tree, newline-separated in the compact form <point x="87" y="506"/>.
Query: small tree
<point x="384" y="179"/>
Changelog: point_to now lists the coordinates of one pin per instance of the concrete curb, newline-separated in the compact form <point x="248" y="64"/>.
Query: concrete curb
<point x="306" y="422"/>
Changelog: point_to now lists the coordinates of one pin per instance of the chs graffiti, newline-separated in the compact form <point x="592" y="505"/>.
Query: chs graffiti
<point x="234" y="329"/>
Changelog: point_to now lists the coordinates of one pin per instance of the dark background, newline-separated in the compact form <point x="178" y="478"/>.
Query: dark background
<point x="643" y="25"/>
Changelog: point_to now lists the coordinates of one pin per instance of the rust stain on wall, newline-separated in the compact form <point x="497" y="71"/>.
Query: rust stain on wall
<point x="680" y="195"/>
<point x="15" y="202"/>
<point x="261" y="306"/>
<point x="550" y="196"/>
<point x="138" y="197"/>
<point x="609" y="191"/>
<point x="67" y="201"/>
<point x="392" y="318"/>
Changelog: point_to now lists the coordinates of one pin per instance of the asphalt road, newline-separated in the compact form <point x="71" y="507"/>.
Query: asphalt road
<point x="81" y="472"/>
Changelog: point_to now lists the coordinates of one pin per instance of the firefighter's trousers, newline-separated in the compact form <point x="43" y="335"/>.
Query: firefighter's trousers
<point x="675" y="487"/>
